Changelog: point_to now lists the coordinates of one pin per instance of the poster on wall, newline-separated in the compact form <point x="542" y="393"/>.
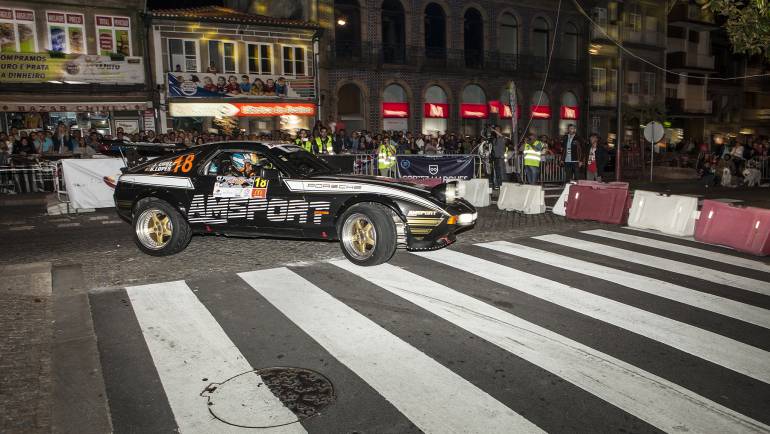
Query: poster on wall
<point x="130" y="126"/>
<point x="205" y="85"/>
<point x="41" y="67"/>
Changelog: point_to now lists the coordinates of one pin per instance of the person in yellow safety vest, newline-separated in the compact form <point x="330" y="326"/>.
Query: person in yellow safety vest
<point x="303" y="142"/>
<point x="324" y="144"/>
<point x="533" y="151"/>
<point x="386" y="158"/>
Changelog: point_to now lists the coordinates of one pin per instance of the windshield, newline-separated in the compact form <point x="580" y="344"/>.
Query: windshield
<point x="301" y="162"/>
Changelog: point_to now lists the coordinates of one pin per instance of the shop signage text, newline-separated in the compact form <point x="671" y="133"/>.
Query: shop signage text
<point x="569" y="112"/>
<point x="73" y="107"/>
<point x="496" y="106"/>
<point x="474" y="111"/>
<point x="435" y="110"/>
<point x="541" y="111"/>
<point x="226" y="109"/>
<point x="395" y="110"/>
<point x="40" y="68"/>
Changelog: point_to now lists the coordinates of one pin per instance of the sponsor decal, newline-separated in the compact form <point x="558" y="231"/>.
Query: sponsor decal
<point x="405" y="164"/>
<point x="240" y="187"/>
<point x="73" y="67"/>
<point x="159" y="181"/>
<point x="446" y="168"/>
<point x="213" y="210"/>
<point x="420" y="212"/>
<point x="162" y="166"/>
<point x="433" y="169"/>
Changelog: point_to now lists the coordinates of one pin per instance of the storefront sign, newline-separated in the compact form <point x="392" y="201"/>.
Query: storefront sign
<point x="225" y="109"/>
<point x="474" y="111"/>
<point x="435" y="110"/>
<point x="76" y="68"/>
<point x="203" y="85"/>
<point x="395" y="110"/>
<point x="569" y="112"/>
<point x="496" y="106"/>
<point x="130" y="126"/>
<point x="15" y="106"/>
<point x="541" y="111"/>
<point x="447" y="167"/>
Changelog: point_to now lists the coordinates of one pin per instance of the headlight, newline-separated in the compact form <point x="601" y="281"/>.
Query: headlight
<point x="450" y="192"/>
<point x="467" y="218"/>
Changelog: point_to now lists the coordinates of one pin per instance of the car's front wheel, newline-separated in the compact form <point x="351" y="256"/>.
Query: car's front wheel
<point x="159" y="229"/>
<point x="368" y="234"/>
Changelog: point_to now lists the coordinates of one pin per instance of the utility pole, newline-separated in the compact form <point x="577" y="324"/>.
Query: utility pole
<point x="619" y="85"/>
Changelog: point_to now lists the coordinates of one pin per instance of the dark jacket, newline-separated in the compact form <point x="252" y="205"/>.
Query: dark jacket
<point x="601" y="157"/>
<point x="578" y="149"/>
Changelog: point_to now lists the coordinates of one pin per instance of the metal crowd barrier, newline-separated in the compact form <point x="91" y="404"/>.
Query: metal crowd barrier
<point x="762" y="164"/>
<point x="366" y="164"/>
<point x="29" y="178"/>
<point x="551" y="169"/>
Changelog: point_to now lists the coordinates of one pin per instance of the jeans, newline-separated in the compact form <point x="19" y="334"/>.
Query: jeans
<point x="533" y="174"/>
<point x="571" y="171"/>
<point x="499" y="172"/>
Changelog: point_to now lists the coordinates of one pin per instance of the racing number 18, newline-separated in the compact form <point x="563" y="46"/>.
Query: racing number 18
<point x="183" y="163"/>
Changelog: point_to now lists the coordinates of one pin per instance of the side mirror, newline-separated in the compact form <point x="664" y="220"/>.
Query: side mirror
<point x="270" y="174"/>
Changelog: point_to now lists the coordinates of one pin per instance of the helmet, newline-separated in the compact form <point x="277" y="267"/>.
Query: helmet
<point x="239" y="161"/>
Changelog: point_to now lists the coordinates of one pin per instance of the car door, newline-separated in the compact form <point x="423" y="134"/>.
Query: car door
<point x="253" y="201"/>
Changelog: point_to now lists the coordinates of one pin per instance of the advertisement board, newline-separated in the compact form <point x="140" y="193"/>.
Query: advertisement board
<point x="240" y="109"/>
<point x="205" y="85"/>
<point x="447" y="167"/>
<point x="75" y="68"/>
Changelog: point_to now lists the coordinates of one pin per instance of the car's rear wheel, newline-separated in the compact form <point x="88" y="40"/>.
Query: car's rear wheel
<point x="368" y="234"/>
<point x="159" y="229"/>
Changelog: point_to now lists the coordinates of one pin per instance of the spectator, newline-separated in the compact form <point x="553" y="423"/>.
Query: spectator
<point x="596" y="159"/>
<point x="83" y="150"/>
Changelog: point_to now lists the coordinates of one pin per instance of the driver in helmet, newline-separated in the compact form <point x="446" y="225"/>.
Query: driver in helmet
<point x="243" y="165"/>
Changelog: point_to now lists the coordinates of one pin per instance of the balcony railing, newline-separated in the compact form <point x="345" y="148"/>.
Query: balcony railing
<point x="366" y="54"/>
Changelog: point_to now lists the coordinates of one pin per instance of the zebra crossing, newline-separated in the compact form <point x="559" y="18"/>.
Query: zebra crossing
<point x="591" y="331"/>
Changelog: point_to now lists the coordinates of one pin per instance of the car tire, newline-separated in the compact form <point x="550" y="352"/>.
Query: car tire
<point x="367" y="234"/>
<point x="159" y="228"/>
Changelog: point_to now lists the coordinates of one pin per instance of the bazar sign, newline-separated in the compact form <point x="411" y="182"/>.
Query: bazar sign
<point x="226" y="109"/>
<point x="395" y="110"/>
<point x="41" y="67"/>
<point x="73" y="107"/>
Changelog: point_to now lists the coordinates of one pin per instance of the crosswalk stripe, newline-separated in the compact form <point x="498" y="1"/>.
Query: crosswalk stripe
<point x="685" y="250"/>
<point x="433" y="397"/>
<point x="696" y="271"/>
<point x="188" y="345"/>
<point x="714" y="303"/>
<point x="655" y="400"/>
<point x="652" y="231"/>
<point x="740" y="357"/>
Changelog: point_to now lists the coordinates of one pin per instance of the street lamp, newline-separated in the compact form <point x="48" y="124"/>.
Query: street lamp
<point x="341" y="21"/>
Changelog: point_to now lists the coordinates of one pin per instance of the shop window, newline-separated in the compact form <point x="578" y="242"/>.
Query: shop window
<point x="113" y="35"/>
<point x="17" y="27"/>
<point x="260" y="59"/>
<point x="293" y="60"/>
<point x="66" y="32"/>
<point x="439" y="123"/>
<point x="222" y="57"/>
<point x="183" y="55"/>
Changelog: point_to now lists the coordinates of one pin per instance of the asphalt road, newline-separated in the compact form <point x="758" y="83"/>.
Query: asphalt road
<point x="603" y="331"/>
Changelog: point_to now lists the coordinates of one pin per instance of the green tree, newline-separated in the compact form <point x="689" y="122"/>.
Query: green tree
<point x="747" y="24"/>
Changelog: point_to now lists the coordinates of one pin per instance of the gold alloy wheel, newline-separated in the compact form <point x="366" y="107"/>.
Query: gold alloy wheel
<point x="359" y="236"/>
<point x="154" y="228"/>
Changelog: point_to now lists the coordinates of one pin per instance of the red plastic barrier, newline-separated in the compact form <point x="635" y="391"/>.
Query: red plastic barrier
<point x="598" y="201"/>
<point x="743" y="229"/>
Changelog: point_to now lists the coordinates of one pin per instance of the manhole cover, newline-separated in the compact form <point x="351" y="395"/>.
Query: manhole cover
<point x="248" y="399"/>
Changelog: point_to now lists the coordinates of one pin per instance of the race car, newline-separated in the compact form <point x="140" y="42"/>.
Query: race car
<point x="251" y="189"/>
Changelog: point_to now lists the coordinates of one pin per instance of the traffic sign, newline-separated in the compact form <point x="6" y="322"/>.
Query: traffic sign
<point x="653" y="132"/>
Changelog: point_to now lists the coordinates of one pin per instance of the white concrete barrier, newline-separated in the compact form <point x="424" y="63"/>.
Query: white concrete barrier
<point x="475" y="191"/>
<point x="529" y="199"/>
<point x="561" y="203"/>
<point x="673" y="215"/>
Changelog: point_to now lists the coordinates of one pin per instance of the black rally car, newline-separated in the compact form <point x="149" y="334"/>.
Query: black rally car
<point x="278" y="190"/>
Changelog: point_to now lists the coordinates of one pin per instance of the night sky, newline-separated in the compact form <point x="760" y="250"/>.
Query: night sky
<point x="172" y="4"/>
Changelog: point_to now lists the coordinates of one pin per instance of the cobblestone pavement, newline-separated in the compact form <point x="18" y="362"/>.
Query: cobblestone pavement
<point x="104" y="246"/>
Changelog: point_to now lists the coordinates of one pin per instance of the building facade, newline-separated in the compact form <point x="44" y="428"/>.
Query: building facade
<point x="445" y="66"/>
<point x="80" y="63"/>
<point x="640" y="26"/>
<point x="212" y="65"/>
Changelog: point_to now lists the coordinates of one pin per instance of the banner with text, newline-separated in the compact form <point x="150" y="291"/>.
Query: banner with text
<point x="206" y="85"/>
<point x="69" y="68"/>
<point x="447" y="167"/>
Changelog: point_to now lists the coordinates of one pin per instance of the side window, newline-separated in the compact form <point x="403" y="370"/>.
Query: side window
<point x="246" y="164"/>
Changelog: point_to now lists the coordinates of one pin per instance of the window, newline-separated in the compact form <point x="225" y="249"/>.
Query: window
<point x="612" y="83"/>
<point x="632" y="88"/>
<point x="222" y="57"/>
<point x="648" y="83"/>
<point x="540" y="38"/>
<point x="671" y="92"/>
<point x="613" y="11"/>
<point x="66" y="33"/>
<point x="17" y="27"/>
<point x="183" y="55"/>
<point x="598" y="79"/>
<point x="600" y="16"/>
<point x="570" y="42"/>
<point x="509" y="34"/>
<point x="114" y="35"/>
<point x="260" y="59"/>
<point x="634" y="22"/>
<point x="293" y="60"/>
